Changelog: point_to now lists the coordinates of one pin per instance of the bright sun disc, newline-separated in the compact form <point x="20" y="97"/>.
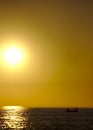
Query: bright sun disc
<point x="13" y="56"/>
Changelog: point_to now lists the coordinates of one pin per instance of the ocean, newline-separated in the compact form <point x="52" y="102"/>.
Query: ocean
<point x="46" y="119"/>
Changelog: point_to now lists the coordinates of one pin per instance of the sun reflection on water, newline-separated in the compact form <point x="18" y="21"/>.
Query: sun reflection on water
<point x="13" y="117"/>
<point x="13" y="107"/>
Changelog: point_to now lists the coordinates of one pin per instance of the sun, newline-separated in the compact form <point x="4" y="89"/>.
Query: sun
<point x="13" y="55"/>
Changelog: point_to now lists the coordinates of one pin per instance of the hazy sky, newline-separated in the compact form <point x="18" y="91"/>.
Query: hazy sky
<point x="58" y="35"/>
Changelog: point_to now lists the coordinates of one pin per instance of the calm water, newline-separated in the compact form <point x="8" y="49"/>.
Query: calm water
<point x="45" y="119"/>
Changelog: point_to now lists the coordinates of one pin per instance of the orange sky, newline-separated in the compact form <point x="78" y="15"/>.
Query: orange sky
<point x="57" y="36"/>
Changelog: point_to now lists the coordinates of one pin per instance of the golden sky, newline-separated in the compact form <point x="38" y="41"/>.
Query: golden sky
<point x="57" y="38"/>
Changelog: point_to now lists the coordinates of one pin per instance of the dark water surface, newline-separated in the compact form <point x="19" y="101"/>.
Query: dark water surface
<point x="45" y="119"/>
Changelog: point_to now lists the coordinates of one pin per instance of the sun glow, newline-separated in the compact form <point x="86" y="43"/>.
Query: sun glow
<point x="13" y="55"/>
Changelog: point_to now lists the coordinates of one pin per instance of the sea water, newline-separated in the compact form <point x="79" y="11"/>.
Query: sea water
<point x="46" y="119"/>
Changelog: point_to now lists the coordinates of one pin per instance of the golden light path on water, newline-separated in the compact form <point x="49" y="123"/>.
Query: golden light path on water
<point x="13" y="107"/>
<point x="13" y="117"/>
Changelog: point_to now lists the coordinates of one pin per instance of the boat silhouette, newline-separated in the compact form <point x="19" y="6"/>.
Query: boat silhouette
<point x="72" y="110"/>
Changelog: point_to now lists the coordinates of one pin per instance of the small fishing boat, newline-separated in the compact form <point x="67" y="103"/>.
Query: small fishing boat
<point x="72" y="110"/>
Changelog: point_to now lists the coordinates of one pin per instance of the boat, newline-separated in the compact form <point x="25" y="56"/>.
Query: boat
<point x="72" y="110"/>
